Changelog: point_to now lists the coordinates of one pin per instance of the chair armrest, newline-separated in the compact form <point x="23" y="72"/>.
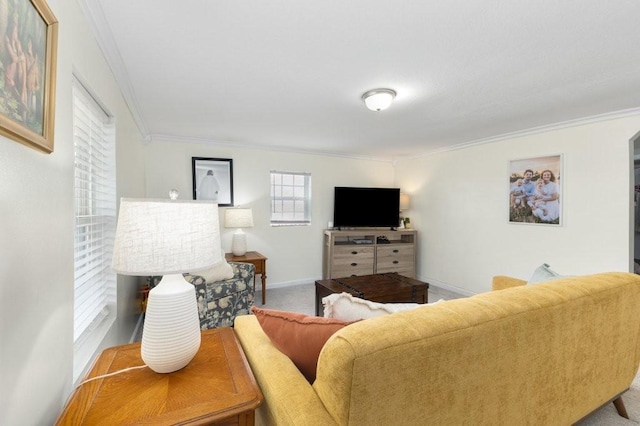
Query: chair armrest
<point x="500" y="282"/>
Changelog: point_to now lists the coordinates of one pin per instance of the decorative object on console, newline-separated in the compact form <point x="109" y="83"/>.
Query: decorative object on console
<point x="238" y="218"/>
<point x="168" y="237"/>
<point x="378" y="99"/>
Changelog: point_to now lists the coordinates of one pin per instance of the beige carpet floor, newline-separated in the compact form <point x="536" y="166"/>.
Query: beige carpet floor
<point x="301" y="298"/>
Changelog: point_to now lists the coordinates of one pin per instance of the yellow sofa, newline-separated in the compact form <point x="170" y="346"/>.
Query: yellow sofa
<point x="549" y="353"/>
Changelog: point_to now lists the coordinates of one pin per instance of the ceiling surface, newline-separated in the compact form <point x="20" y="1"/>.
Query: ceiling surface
<point x="289" y="75"/>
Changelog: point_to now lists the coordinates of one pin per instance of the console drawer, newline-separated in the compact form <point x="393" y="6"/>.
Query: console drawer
<point x="352" y="260"/>
<point x="396" y="258"/>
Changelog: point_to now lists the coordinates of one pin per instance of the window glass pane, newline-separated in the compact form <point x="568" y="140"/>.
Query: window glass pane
<point x="291" y="198"/>
<point x="287" y="191"/>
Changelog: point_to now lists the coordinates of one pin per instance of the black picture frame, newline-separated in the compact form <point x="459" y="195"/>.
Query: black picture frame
<point x="213" y="180"/>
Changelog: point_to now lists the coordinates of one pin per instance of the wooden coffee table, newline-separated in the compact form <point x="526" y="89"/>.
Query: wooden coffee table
<point x="216" y="388"/>
<point x="385" y="288"/>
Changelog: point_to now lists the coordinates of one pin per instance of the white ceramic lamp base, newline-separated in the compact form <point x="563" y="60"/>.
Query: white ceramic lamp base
<point x="239" y="243"/>
<point x="171" y="333"/>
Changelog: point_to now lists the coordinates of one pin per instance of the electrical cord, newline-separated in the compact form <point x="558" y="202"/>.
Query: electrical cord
<point x="111" y="374"/>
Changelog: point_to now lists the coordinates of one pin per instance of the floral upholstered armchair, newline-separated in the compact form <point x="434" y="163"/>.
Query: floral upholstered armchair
<point x="220" y="302"/>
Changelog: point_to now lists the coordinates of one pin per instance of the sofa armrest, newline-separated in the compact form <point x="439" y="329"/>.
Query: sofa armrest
<point x="500" y="282"/>
<point x="288" y="398"/>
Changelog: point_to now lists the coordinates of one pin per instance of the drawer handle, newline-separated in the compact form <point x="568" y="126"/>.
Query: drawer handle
<point x="396" y="251"/>
<point x="354" y="252"/>
<point x="395" y="262"/>
<point x="354" y="264"/>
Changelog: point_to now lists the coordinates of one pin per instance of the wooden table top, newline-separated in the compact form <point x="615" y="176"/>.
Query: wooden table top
<point x="216" y="384"/>
<point x="368" y="284"/>
<point x="247" y="257"/>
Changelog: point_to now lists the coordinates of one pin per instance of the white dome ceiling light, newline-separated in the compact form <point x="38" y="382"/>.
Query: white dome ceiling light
<point x="378" y="99"/>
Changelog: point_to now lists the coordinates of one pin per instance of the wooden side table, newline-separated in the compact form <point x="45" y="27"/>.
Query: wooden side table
<point x="260" y="263"/>
<point x="217" y="387"/>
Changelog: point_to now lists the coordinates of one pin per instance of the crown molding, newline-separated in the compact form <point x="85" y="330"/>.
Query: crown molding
<point x="102" y="32"/>
<point x="532" y="131"/>
<point x="214" y="142"/>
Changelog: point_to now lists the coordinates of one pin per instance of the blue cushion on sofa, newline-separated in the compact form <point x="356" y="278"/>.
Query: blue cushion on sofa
<point x="542" y="274"/>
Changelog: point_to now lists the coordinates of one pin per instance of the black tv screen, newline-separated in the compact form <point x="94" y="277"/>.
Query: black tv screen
<point x="366" y="207"/>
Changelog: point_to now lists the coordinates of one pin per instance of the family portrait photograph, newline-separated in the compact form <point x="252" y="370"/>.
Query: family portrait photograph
<point x="535" y="190"/>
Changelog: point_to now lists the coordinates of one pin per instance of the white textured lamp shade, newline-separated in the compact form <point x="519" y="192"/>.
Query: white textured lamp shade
<point x="238" y="218"/>
<point x="163" y="237"/>
<point x="404" y="202"/>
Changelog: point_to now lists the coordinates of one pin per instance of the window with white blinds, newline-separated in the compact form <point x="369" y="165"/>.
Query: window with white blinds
<point x="95" y="212"/>
<point x="290" y="198"/>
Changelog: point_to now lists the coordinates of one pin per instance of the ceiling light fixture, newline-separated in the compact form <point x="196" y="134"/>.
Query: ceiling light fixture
<point x="378" y="99"/>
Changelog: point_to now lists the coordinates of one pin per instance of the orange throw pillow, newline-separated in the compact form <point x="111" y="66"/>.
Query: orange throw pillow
<point x="298" y="336"/>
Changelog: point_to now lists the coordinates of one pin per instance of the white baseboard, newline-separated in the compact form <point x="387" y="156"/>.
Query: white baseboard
<point x="448" y="287"/>
<point x="286" y="283"/>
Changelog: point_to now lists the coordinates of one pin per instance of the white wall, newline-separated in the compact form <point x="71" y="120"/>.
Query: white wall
<point x="294" y="253"/>
<point x="460" y="207"/>
<point x="36" y="246"/>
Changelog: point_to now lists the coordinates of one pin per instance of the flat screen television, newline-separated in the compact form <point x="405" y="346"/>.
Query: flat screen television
<point x="366" y="207"/>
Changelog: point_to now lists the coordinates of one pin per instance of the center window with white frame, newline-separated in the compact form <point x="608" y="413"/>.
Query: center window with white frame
<point x="290" y="198"/>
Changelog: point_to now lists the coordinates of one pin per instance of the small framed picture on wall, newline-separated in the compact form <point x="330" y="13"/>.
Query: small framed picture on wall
<point x="535" y="190"/>
<point x="213" y="180"/>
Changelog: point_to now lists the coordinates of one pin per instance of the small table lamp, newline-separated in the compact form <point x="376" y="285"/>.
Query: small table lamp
<point x="238" y="218"/>
<point x="404" y="205"/>
<point x="168" y="237"/>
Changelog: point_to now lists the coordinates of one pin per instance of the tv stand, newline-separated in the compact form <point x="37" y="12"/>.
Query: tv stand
<point x="367" y="251"/>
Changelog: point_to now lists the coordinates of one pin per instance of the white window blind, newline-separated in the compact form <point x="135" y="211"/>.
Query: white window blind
<point x="95" y="212"/>
<point x="290" y="198"/>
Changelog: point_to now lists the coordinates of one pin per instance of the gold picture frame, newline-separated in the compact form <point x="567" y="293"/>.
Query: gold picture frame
<point x="29" y="43"/>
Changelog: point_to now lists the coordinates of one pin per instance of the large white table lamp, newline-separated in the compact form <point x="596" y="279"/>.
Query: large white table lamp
<point x="169" y="238"/>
